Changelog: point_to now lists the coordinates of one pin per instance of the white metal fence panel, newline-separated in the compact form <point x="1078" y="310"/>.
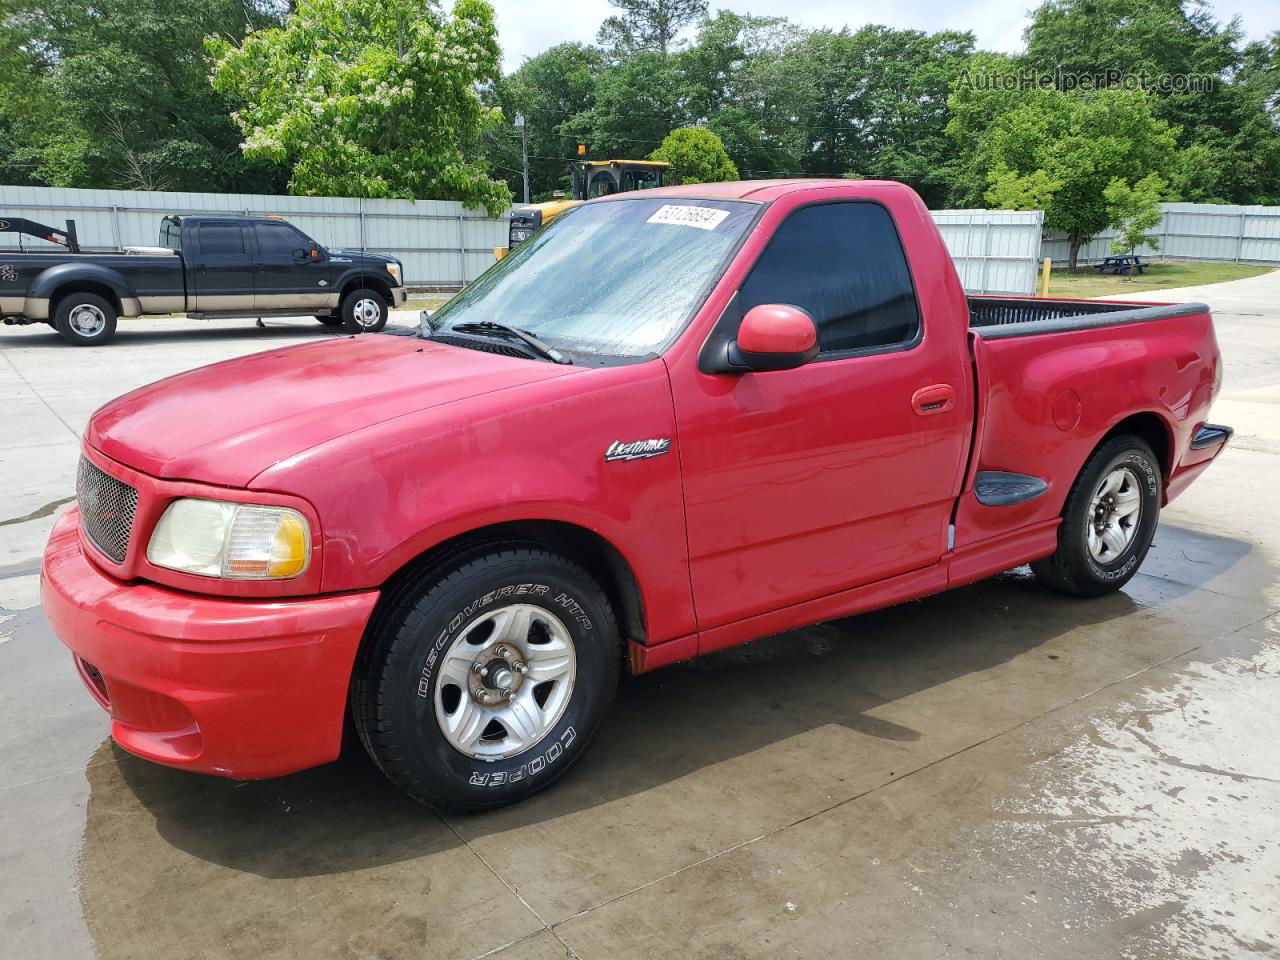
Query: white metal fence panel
<point x="440" y="242"/>
<point x="995" y="251"/>
<point x="443" y="244"/>
<point x="1195" y="231"/>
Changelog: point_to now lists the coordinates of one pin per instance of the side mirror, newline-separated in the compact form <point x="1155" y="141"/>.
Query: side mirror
<point x="774" y="336"/>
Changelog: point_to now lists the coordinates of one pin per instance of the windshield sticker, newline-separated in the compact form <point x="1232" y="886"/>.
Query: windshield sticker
<point x="704" y="218"/>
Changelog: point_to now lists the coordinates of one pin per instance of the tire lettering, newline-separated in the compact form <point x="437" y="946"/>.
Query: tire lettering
<point x="525" y="770"/>
<point x="574" y="609"/>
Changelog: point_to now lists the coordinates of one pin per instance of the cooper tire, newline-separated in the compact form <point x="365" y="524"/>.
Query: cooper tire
<point x="1097" y="553"/>
<point x="85" y="319"/>
<point x="417" y="653"/>
<point x="364" y="311"/>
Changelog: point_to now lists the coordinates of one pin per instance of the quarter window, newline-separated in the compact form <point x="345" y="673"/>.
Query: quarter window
<point x="842" y="262"/>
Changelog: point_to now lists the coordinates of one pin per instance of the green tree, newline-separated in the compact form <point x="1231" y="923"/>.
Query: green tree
<point x="696" y="155"/>
<point x="1075" y="144"/>
<point x="370" y="98"/>
<point x="1134" y="210"/>
<point x="549" y="91"/>
<point x="648" y="24"/>
<point x="871" y="102"/>
<point x="116" y="94"/>
<point x="1010" y="190"/>
<point x="1237" y="146"/>
<point x="637" y="101"/>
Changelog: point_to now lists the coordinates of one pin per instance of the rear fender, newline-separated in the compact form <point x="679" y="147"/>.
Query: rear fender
<point x="49" y="284"/>
<point x="1051" y="399"/>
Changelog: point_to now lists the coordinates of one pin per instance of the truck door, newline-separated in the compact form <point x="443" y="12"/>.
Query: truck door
<point x="288" y="277"/>
<point x="801" y="483"/>
<point x="220" y="266"/>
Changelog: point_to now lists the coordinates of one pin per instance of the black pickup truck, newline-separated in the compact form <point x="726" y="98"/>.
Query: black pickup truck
<point x="205" y="266"/>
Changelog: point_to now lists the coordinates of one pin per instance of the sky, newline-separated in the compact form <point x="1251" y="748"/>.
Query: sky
<point x="527" y="27"/>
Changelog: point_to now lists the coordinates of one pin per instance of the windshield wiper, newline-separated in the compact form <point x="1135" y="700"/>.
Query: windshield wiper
<point x="529" y="340"/>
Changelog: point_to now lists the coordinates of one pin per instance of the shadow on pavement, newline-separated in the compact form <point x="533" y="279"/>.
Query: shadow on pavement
<point x="663" y="725"/>
<point x="248" y="862"/>
<point x="215" y="332"/>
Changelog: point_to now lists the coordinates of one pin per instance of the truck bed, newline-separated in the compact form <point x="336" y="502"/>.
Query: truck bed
<point x="1053" y="376"/>
<point x="1003" y="317"/>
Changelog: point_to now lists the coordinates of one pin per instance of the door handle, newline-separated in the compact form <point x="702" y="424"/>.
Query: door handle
<point x="937" y="398"/>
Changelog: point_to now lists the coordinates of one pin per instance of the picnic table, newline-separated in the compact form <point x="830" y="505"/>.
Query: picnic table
<point x="1126" y="264"/>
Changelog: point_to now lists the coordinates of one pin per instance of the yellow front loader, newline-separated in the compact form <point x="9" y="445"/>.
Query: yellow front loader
<point x="591" y="178"/>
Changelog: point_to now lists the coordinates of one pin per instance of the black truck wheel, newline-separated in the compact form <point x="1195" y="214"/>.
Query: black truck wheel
<point x="1108" y="521"/>
<point x="85" y="319"/>
<point x="364" y="311"/>
<point x="483" y="685"/>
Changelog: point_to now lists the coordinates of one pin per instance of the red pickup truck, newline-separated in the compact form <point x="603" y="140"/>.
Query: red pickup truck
<point x="671" y="422"/>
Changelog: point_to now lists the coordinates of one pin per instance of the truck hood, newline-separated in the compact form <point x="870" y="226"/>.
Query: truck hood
<point x="226" y="423"/>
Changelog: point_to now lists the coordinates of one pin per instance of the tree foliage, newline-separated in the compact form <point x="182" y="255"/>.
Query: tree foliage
<point x="117" y="94"/>
<point x="1063" y="151"/>
<point x="400" y="98"/>
<point x="1234" y="144"/>
<point x="1134" y="210"/>
<point x="696" y="155"/>
<point x="647" y="24"/>
<point x="369" y="98"/>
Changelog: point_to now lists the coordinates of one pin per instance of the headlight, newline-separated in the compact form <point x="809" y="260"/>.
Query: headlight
<point x="235" y="541"/>
<point x="394" y="270"/>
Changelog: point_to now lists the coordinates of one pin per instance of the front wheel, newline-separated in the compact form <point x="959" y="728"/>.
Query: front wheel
<point x="1108" y="522"/>
<point x="364" y="311"/>
<point x="486" y="683"/>
<point x="85" y="319"/>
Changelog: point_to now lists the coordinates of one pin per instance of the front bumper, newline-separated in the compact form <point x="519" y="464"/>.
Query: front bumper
<point x="399" y="295"/>
<point x="239" y="688"/>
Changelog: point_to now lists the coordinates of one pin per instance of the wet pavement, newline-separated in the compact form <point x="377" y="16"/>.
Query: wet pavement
<point x="994" y="772"/>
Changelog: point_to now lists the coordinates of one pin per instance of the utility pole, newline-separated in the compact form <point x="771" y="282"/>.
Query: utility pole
<point x="524" y="150"/>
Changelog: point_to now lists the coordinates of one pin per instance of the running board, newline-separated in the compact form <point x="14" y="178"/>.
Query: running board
<point x="250" y="313"/>
<point x="999" y="488"/>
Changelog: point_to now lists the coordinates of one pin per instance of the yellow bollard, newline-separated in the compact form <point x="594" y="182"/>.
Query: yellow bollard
<point x="1044" y="276"/>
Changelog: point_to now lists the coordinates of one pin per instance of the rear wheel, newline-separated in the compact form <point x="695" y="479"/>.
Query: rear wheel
<point x="484" y="684"/>
<point x="364" y="311"/>
<point x="1109" y="521"/>
<point x="85" y="319"/>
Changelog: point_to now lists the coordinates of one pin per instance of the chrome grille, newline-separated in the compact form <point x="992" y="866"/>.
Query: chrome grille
<point x="107" y="508"/>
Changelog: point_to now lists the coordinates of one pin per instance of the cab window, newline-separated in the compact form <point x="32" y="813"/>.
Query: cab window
<point x="842" y="262"/>
<point x="221" y="240"/>
<point x="640" y="179"/>
<point x="277" y="241"/>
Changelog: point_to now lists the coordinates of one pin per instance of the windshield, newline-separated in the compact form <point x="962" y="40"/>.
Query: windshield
<point x="618" y="279"/>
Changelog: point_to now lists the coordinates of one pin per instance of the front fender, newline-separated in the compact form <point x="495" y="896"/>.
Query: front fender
<point x="392" y="491"/>
<point x="361" y="275"/>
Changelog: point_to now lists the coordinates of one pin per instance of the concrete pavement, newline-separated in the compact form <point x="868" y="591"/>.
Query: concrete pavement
<point x="994" y="772"/>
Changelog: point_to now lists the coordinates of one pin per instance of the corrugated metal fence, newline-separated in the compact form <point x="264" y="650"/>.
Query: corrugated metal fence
<point x="444" y="245"/>
<point x="439" y="242"/>
<point x="995" y="251"/>
<point x="1195" y="231"/>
